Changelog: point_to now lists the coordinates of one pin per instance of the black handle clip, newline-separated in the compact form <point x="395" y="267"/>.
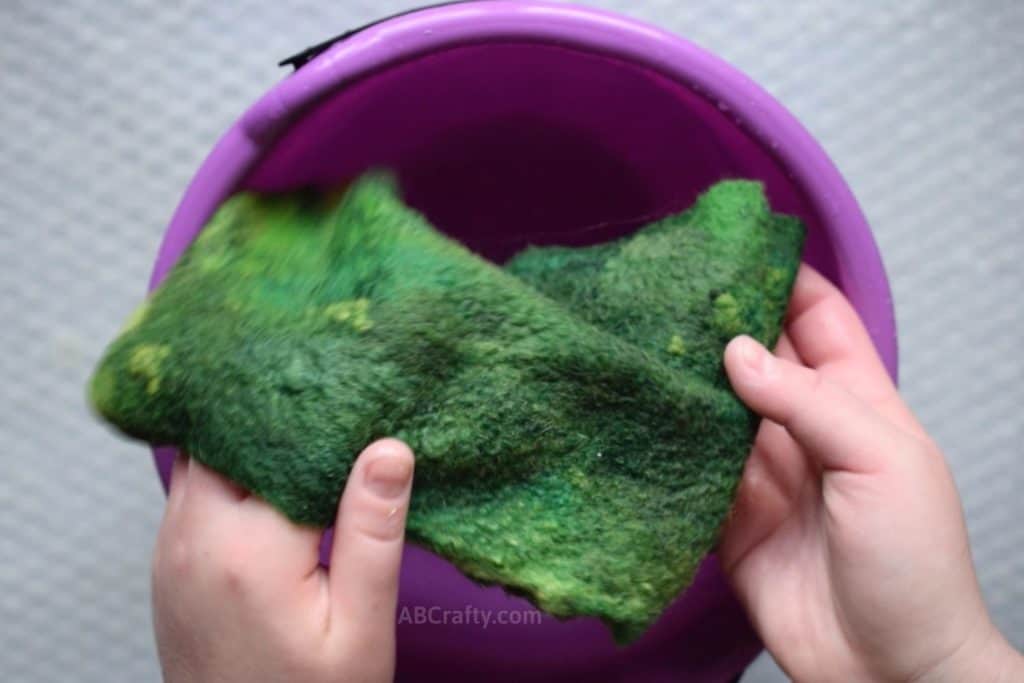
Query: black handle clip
<point x="300" y="59"/>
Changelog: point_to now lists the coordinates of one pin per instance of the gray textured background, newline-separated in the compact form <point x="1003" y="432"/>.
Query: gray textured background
<point x="106" y="110"/>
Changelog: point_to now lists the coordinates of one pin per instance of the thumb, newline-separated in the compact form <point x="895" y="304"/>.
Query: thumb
<point x="368" y="536"/>
<point x="833" y="426"/>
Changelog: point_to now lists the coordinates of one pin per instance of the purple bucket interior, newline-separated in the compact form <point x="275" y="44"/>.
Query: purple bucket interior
<point x="506" y="144"/>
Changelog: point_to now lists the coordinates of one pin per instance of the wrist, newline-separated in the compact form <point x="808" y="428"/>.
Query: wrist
<point x="1005" y="663"/>
<point x="986" y="657"/>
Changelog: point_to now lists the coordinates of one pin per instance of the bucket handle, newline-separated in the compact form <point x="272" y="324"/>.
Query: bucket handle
<point x="300" y="59"/>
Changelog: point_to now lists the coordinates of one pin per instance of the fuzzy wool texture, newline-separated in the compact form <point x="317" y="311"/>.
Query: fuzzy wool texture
<point x="576" y="438"/>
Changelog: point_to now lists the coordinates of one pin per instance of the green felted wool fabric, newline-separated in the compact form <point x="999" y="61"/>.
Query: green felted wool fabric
<point x="576" y="441"/>
<point x="684" y="286"/>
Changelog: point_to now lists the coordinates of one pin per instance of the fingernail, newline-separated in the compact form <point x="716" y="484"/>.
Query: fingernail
<point x="754" y="355"/>
<point x="388" y="476"/>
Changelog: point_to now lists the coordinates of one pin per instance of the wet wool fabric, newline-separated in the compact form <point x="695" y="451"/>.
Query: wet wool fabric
<point x="576" y="438"/>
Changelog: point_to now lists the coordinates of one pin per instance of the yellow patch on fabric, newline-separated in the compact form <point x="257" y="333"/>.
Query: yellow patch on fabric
<point x="146" y="361"/>
<point x="355" y="312"/>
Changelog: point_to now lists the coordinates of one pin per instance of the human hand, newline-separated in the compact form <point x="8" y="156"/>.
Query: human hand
<point x="238" y="592"/>
<point x="847" y="542"/>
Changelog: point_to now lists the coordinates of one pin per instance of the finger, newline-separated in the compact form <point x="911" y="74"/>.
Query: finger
<point x="368" y="536"/>
<point x="179" y="480"/>
<point x="172" y="509"/>
<point x="208" y="495"/>
<point x="816" y="299"/>
<point x="826" y="332"/>
<point x="828" y="335"/>
<point x="835" y="428"/>
<point x="246" y="547"/>
<point x="773" y="477"/>
<point x="762" y="503"/>
<point x="783" y="458"/>
<point x="785" y="349"/>
<point x="283" y="553"/>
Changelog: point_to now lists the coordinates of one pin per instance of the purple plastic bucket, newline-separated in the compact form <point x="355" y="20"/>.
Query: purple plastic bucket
<point x="517" y="122"/>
